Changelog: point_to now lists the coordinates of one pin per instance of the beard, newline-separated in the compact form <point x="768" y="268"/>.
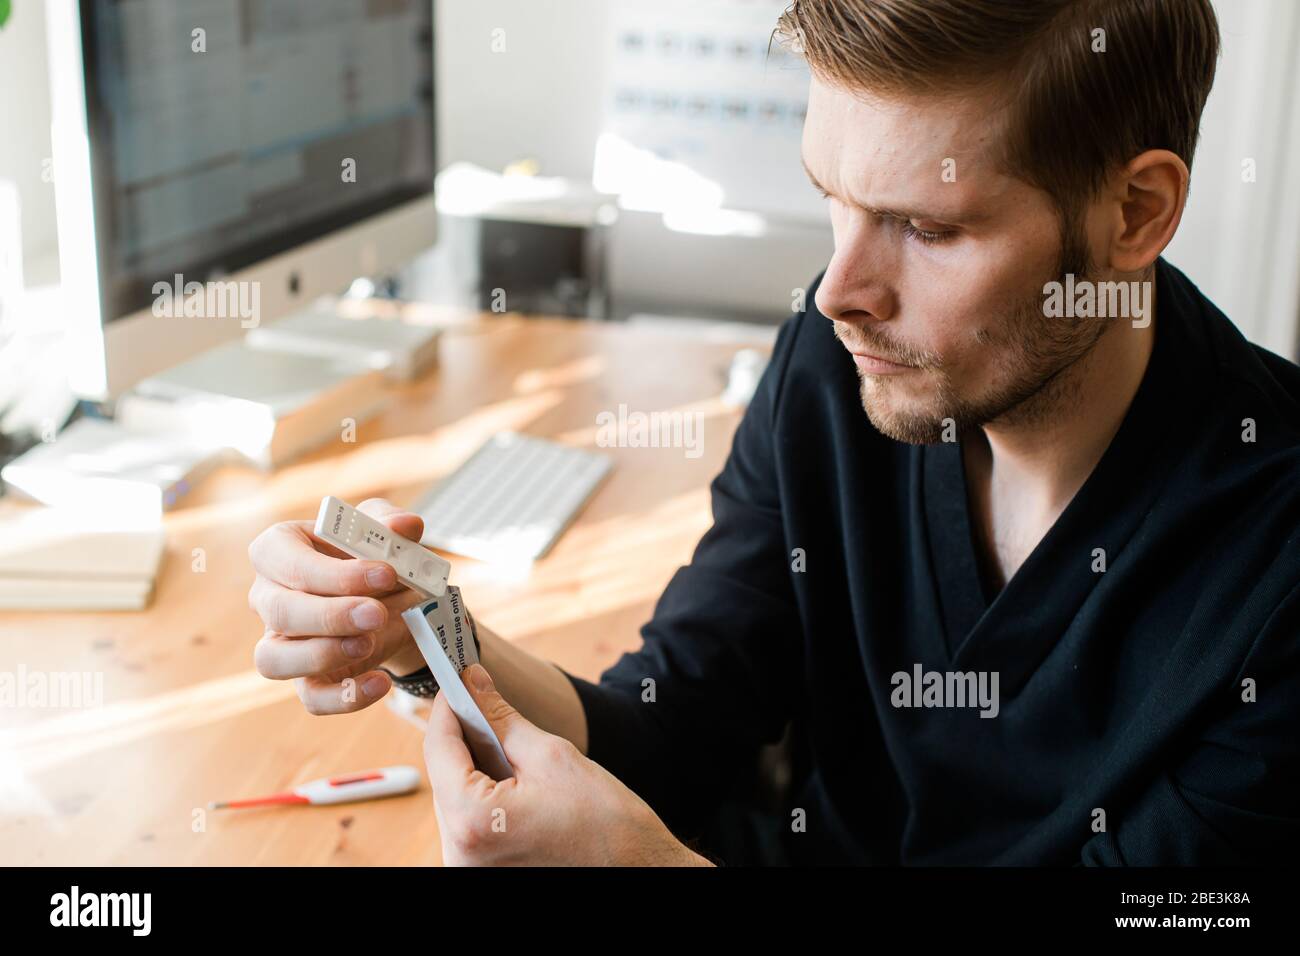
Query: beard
<point x="1033" y="359"/>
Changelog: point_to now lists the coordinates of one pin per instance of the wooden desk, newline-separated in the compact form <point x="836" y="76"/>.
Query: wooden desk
<point x="186" y="719"/>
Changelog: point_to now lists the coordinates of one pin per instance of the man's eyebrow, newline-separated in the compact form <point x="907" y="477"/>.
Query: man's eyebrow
<point x="896" y="212"/>
<point x="813" y="179"/>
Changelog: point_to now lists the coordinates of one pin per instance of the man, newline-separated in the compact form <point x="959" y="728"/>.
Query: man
<point x="1040" y="604"/>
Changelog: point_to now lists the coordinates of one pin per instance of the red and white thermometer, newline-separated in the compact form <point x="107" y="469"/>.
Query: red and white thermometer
<point x="367" y="785"/>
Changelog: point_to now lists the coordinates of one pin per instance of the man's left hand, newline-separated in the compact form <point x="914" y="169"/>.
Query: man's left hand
<point x="560" y="807"/>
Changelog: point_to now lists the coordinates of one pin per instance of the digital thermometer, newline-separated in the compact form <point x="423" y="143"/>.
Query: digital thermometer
<point x="364" y="537"/>
<point x="367" y="785"/>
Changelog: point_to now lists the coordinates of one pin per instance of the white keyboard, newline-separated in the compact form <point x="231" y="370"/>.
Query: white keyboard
<point x="511" y="500"/>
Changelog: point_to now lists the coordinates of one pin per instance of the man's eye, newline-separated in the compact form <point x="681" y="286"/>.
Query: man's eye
<point x="920" y="235"/>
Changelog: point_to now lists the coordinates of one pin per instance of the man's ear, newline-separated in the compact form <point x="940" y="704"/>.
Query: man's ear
<point x="1148" y="197"/>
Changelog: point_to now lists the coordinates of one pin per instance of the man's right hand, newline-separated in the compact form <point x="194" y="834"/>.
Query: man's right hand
<point x="330" y="618"/>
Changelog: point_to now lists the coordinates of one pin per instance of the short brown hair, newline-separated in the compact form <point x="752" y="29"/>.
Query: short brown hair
<point x="1075" y="114"/>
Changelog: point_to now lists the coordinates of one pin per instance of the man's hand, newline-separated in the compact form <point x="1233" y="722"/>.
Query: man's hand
<point x="559" y="808"/>
<point x="329" y="617"/>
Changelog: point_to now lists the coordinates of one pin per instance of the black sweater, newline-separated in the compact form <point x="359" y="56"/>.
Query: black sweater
<point x="1125" y="729"/>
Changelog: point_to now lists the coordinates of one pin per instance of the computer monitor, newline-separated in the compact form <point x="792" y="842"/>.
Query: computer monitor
<point x="269" y="150"/>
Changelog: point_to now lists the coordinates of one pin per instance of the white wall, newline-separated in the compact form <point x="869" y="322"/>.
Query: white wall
<point x="541" y="97"/>
<point x="1240" y="241"/>
<point x="25" y="128"/>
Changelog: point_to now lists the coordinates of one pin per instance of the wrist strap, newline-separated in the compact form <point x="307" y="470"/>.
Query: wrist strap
<point x="419" y="683"/>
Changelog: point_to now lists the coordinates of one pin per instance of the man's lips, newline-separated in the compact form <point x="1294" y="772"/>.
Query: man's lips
<point x="877" y="365"/>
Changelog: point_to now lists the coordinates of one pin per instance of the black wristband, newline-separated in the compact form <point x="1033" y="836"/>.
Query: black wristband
<point x="419" y="683"/>
<point x="422" y="683"/>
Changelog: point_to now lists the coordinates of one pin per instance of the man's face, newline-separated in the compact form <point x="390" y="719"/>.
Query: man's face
<point x="940" y="261"/>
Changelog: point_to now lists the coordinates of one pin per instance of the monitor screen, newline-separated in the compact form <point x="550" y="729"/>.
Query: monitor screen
<point x="225" y="131"/>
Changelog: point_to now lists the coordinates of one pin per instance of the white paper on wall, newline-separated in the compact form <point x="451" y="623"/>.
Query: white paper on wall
<point x="705" y="110"/>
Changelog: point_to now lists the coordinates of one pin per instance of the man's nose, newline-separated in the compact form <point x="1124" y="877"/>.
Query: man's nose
<point x="855" y="287"/>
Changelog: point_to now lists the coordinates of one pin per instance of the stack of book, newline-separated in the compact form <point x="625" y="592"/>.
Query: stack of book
<point x="69" y="559"/>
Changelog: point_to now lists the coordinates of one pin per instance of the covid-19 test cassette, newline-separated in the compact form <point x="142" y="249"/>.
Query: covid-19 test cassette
<point x="364" y="537"/>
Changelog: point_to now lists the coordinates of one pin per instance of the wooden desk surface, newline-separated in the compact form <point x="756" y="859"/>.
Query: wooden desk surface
<point x="185" y="717"/>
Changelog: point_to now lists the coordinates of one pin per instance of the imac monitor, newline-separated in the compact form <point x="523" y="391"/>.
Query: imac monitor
<point x="255" y="153"/>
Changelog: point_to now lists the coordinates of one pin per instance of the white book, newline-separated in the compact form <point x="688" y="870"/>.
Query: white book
<point x="280" y="382"/>
<point x="402" y="350"/>
<point x="77" y="546"/>
<point x="77" y="559"/>
<point x="267" y="406"/>
<point x="118" y="468"/>
<point x="59" y="594"/>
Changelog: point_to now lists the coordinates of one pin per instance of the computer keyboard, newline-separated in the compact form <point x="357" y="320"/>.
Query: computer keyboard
<point x="511" y="500"/>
